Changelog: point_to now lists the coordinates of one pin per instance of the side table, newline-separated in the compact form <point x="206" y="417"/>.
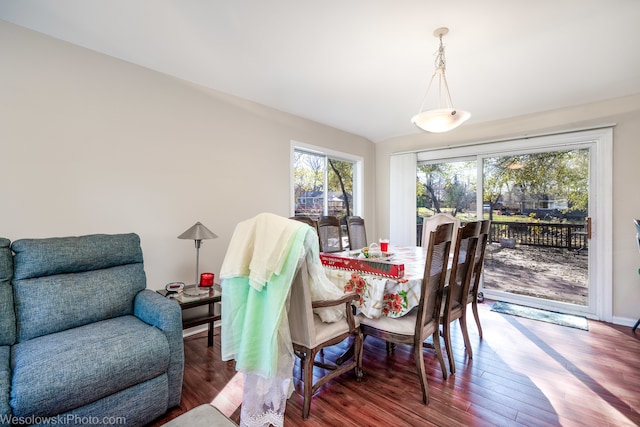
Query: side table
<point x="186" y="302"/>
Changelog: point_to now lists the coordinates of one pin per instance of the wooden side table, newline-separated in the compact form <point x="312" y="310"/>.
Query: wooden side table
<point x="186" y="302"/>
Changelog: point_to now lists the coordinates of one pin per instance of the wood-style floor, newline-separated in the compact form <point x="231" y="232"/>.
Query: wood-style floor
<point x="523" y="372"/>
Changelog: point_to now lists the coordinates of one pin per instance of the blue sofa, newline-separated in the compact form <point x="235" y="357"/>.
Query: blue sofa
<point x="82" y="342"/>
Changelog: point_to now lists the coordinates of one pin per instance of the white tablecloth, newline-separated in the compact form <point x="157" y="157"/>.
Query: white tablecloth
<point x="382" y="296"/>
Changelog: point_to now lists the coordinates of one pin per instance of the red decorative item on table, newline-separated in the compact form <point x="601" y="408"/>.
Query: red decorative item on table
<point x="206" y="279"/>
<point x="363" y="265"/>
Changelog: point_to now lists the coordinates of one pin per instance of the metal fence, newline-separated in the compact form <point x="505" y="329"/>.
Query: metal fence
<point x="553" y="235"/>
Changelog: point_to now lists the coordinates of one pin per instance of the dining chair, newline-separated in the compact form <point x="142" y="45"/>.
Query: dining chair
<point x="309" y="335"/>
<point x="430" y="223"/>
<point x="455" y="299"/>
<point x="478" y="265"/>
<point x="357" y="232"/>
<point x="330" y="234"/>
<point x="307" y="220"/>
<point x="423" y="321"/>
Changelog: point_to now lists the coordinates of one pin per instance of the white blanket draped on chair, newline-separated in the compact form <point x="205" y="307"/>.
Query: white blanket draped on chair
<point x="257" y="272"/>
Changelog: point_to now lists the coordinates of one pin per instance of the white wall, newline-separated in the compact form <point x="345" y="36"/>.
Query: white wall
<point x="623" y="112"/>
<point x="93" y="144"/>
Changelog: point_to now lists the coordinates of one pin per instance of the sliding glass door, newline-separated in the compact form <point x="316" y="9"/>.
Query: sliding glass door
<point x="549" y="202"/>
<point x="538" y="204"/>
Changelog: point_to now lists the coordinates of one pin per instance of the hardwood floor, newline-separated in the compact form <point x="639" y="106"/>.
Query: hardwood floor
<point x="523" y="372"/>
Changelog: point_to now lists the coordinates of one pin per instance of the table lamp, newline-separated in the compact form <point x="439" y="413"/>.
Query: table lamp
<point x="198" y="233"/>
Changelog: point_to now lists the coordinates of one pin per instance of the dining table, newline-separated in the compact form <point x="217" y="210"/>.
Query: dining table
<point x="388" y="286"/>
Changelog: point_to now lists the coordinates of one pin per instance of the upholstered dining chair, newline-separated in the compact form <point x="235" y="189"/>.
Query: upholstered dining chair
<point x="309" y="335"/>
<point x="455" y="299"/>
<point x="330" y="234"/>
<point x="478" y="265"/>
<point x="423" y="321"/>
<point x="357" y="232"/>
<point x="430" y="223"/>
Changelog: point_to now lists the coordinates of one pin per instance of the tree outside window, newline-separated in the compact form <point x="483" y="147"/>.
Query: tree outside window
<point x="323" y="185"/>
<point x="447" y="187"/>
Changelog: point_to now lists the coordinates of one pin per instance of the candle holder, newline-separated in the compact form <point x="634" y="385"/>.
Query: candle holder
<point x="206" y="280"/>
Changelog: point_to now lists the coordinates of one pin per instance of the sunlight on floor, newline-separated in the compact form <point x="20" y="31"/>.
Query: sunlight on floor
<point x="554" y="376"/>
<point x="230" y="398"/>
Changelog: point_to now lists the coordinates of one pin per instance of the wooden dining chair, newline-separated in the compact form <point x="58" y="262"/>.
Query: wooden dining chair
<point x="478" y="265"/>
<point x="330" y="234"/>
<point x="307" y="220"/>
<point x="455" y="300"/>
<point x="430" y="223"/>
<point x="309" y="335"/>
<point x="423" y="321"/>
<point x="357" y="232"/>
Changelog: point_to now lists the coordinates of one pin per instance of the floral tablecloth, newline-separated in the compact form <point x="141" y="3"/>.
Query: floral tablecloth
<point x="382" y="296"/>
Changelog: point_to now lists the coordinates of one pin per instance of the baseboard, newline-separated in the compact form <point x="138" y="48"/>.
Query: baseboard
<point x="198" y="329"/>
<point x="624" y="321"/>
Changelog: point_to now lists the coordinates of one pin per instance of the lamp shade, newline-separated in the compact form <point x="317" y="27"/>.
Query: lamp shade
<point x="198" y="232"/>
<point x="440" y="120"/>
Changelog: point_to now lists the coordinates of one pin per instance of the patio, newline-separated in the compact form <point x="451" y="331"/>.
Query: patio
<point x="549" y="273"/>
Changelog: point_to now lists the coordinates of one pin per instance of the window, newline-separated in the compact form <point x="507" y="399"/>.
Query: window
<point x="325" y="183"/>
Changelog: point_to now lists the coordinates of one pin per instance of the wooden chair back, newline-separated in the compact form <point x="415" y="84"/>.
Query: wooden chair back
<point x="478" y="261"/>
<point x="357" y="232"/>
<point x="330" y="234"/>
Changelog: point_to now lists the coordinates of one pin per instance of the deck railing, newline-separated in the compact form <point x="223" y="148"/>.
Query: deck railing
<point x="569" y="236"/>
<point x="548" y="234"/>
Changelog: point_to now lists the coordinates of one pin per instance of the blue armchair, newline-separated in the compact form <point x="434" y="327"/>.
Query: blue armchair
<point x="87" y="343"/>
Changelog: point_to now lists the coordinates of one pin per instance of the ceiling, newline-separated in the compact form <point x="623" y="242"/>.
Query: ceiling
<point x="363" y="66"/>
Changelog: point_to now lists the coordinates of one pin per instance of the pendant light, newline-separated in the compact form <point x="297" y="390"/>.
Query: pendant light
<point x="440" y="119"/>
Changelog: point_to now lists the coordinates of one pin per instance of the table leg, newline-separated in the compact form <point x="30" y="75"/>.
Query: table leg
<point x="210" y="335"/>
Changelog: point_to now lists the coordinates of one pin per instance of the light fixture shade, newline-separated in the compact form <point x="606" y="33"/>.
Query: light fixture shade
<point x="198" y="232"/>
<point x="440" y="120"/>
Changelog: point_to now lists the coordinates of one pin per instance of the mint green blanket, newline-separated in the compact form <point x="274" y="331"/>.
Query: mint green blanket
<point x="251" y="318"/>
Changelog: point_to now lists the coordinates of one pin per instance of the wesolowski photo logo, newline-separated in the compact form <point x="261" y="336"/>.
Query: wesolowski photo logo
<point x="63" y="420"/>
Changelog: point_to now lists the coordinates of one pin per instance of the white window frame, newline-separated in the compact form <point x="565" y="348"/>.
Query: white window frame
<point x="358" y="174"/>
<point x="601" y="263"/>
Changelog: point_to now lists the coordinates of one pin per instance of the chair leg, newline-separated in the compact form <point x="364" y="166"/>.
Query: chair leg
<point x="308" y="382"/>
<point x="465" y="333"/>
<point x="359" y="345"/>
<point x="422" y="374"/>
<point x="438" y="349"/>
<point x="391" y="347"/>
<point x="474" y="307"/>
<point x="636" y="326"/>
<point x="446" y="334"/>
